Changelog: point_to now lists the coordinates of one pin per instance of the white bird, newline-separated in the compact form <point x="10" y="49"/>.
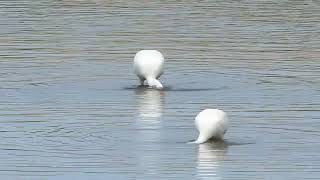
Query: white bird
<point x="211" y="124"/>
<point x="148" y="66"/>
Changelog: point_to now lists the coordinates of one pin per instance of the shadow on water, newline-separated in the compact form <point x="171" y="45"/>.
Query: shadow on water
<point x="168" y="88"/>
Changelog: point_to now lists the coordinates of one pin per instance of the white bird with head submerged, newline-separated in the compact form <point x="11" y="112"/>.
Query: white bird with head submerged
<point x="148" y="65"/>
<point x="211" y="124"/>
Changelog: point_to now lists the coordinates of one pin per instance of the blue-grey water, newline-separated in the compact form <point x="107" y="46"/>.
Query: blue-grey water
<point x="70" y="106"/>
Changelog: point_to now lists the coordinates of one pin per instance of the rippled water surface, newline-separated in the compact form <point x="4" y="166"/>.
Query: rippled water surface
<point x="70" y="106"/>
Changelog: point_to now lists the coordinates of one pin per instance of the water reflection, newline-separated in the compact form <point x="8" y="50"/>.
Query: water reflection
<point x="210" y="157"/>
<point x="150" y="104"/>
<point x="150" y="107"/>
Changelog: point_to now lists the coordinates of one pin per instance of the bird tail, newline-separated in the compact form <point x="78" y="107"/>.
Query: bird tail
<point x="201" y="139"/>
<point x="154" y="83"/>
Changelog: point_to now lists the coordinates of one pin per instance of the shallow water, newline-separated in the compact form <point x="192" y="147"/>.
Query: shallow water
<point x="70" y="106"/>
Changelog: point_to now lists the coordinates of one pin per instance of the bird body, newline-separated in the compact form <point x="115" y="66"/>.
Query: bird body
<point x="148" y="66"/>
<point x="211" y="123"/>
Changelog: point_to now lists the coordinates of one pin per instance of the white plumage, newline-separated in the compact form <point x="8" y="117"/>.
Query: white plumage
<point x="211" y="123"/>
<point x="148" y="66"/>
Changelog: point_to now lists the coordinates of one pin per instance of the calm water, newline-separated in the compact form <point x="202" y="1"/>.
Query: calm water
<point x="69" y="106"/>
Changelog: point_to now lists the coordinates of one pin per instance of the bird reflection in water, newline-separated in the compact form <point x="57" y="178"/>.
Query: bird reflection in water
<point x="210" y="157"/>
<point x="150" y="104"/>
<point x="148" y="123"/>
